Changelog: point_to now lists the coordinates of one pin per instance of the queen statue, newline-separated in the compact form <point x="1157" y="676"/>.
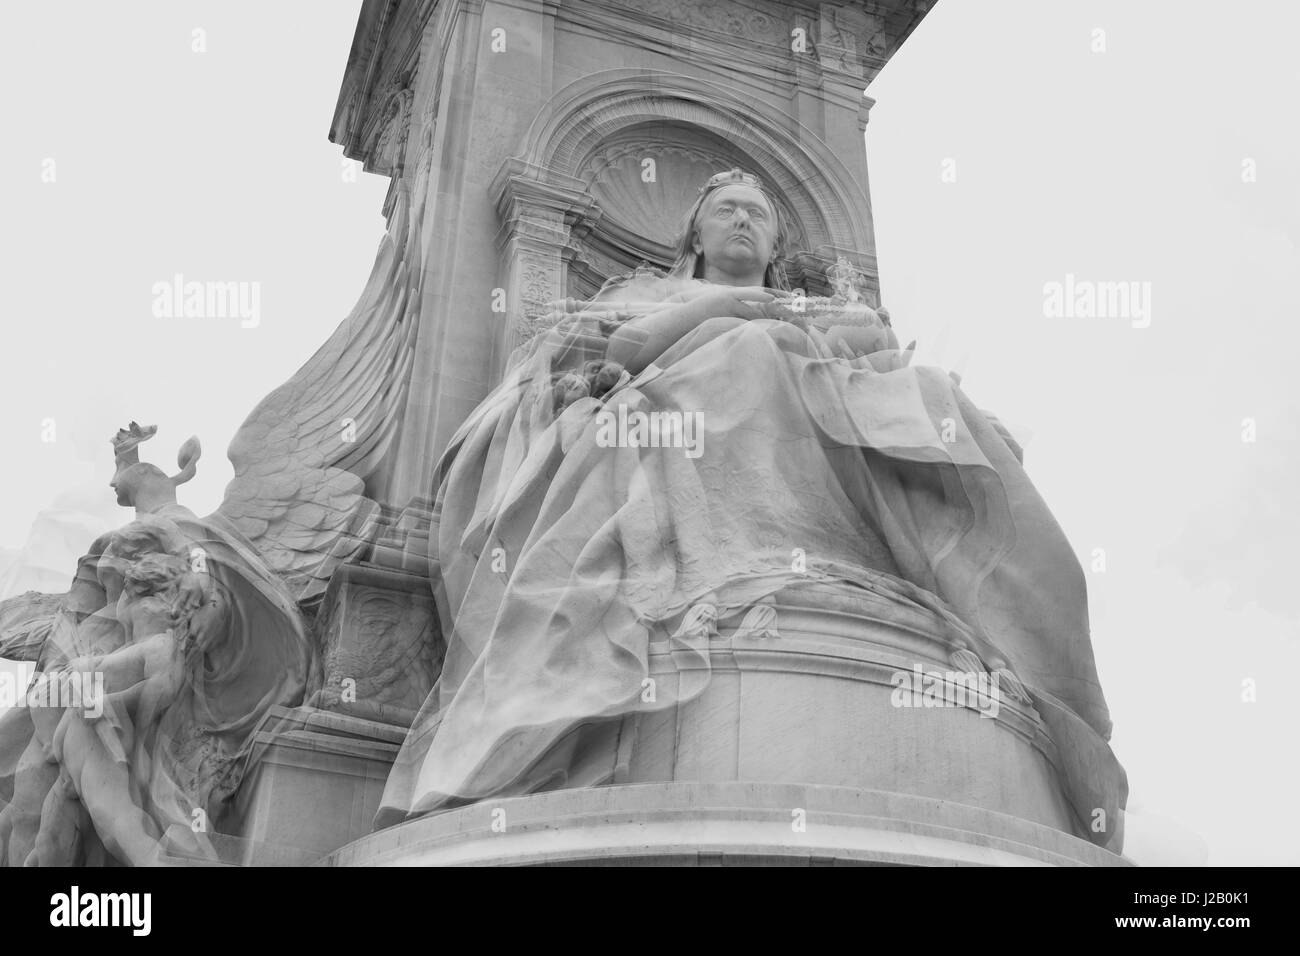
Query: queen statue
<point x="675" y="452"/>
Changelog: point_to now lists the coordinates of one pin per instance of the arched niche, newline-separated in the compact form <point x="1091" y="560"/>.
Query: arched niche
<point x="644" y="179"/>
<point x="575" y="208"/>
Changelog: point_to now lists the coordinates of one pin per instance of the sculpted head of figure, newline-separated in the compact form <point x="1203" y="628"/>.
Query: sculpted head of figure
<point x="141" y="481"/>
<point x="141" y="484"/>
<point x="732" y="233"/>
<point x="154" y="572"/>
<point x="129" y="544"/>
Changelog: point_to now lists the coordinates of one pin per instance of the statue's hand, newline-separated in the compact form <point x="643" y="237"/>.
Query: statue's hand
<point x="190" y="594"/>
<point x="78" y="665"/>
<point x="782" y="308"/>
<point x="741" y="302"/>
<point x="851" y="341"/>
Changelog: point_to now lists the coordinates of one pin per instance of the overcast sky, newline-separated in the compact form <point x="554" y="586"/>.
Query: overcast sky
<point x="1012" y="145"/>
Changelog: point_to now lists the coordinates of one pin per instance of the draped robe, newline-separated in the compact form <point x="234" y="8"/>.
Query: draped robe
<point x="560" y="550"/>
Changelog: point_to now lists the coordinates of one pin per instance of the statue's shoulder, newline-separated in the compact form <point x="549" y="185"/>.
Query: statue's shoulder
<point x="643" y="284"/>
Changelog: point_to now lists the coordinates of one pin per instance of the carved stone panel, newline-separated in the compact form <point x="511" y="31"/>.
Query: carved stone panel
<point x="379" y="646"/>
<point x="541" y="218"/>
<point x="539" y="286"/>
<point x="757" y="22"/>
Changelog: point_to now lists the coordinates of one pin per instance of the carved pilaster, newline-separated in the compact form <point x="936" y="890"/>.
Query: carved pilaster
<point x="543" y="215"/>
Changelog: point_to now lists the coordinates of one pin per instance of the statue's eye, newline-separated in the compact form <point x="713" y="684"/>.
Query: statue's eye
<point x="726" y="212"/>
<point x="756" y="213"/>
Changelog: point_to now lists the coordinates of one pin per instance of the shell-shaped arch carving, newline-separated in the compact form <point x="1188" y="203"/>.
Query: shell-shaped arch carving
<point x="832" y="210"/>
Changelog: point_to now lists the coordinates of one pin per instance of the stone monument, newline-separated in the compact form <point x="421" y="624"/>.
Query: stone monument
<point x="613" y="524"/>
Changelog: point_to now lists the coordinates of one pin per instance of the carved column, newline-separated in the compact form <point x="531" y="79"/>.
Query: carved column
<point x="543" y="215"/>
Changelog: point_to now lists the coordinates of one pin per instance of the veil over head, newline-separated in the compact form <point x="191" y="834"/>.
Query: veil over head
<point x="688" y="264"/>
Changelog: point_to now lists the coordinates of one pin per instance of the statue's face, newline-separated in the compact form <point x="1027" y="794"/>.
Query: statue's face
<point x="140" y="481"/>
<point x="125" y="481"/>
<point x="735" y="230"/>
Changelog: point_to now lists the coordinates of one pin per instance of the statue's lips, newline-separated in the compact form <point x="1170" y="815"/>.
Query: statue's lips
<point x="741" y="235"/>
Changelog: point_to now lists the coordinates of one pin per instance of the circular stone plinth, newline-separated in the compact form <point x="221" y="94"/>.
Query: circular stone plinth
<point x="694" y="824"/>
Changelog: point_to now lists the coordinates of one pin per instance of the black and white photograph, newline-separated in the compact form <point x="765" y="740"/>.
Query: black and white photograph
<point x="651" y="433"/>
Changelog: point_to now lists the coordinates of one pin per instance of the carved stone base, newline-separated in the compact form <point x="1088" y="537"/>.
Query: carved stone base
<point x="315" y="785"/>
<point x="378" y="645"/>
<point x="712" y="824"/>
<point x="819" y="703"/>
<point x="800" y="724"/>
<point x="231" y="851"/>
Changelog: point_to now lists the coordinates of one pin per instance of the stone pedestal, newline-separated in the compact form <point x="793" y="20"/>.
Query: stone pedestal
<point x="805" y="747"/>
<point x="712" y="824"/>
<point x="827" y="701"/>
<point x="315" y="785"/>
<point x="317" y="772"/>
<point x="378" y="645"/>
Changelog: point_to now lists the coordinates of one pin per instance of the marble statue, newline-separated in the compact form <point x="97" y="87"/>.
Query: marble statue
<point x="671" y="454"/>
<point x="658" y="463"/>
<point x="153" y="670"/>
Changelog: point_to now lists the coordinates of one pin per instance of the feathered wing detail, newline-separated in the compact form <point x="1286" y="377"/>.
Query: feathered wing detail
<point x="25" y="622"/>
<point x="303" y="456"/>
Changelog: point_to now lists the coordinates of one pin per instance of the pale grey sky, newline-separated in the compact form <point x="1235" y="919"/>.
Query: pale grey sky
<point x="1006" y="151"/>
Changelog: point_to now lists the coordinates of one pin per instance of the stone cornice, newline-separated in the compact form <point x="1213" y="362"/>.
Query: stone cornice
<point x="386" y="48"/>
<point x="382" y="64"/>
<point x="819" y="188"/>
<point x="870" y="33"/>
<point x="526" y="195"/>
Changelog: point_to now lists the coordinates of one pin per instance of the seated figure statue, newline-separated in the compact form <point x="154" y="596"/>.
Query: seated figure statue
<point x="683" y="447"/>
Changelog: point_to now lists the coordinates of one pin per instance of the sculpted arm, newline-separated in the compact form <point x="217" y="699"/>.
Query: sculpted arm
<point x="642" y="340"/>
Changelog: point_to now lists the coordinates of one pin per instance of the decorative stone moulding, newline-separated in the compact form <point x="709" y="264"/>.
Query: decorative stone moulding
<point x="802" y="689"/>
<point x="590" y="113"/>
<point x="797" y="752"/>
<point x="315" y="786"/>
<point x="719" y="824"/>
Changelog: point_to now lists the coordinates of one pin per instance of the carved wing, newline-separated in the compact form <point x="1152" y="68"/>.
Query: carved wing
<point x="25" y="622"/>
<point x="303" y="456"/>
